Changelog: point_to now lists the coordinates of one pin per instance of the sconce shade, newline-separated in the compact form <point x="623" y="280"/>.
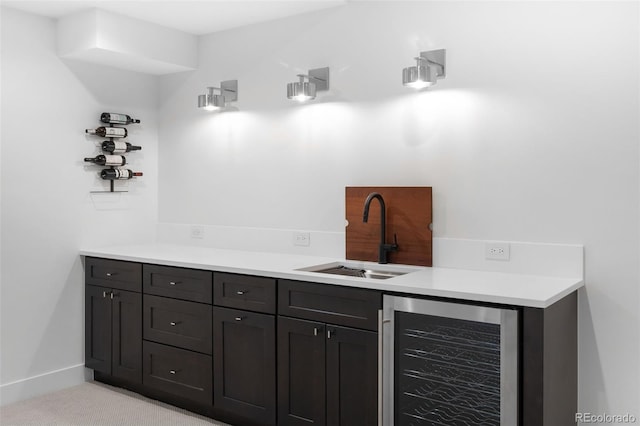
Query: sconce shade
<point x="317" y="80"/>
<point x="301" y="91"/>
<point x="228" y="93"/>
<point x="211" y="102"/>
<point x="418" y="76"/>
<point x="430" y="67"/>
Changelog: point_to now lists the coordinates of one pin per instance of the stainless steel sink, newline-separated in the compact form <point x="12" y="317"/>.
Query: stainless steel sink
<point x="359" y="270"/>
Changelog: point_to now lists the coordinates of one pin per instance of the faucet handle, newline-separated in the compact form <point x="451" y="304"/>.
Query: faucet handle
<point x="386" y="248"/>
<point x="392" y="247"/>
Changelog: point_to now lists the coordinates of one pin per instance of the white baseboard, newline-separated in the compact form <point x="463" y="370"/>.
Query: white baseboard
<point x="44" y="383"/>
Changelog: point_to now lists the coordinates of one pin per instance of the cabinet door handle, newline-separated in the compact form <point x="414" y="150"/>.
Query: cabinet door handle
<point x="330" y="333"/>
<point x="315" y="331"/>
<point x="104" y="294"/>
<point x="112" y="295"/>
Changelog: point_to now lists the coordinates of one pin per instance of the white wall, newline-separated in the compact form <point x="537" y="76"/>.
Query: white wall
<point x="47" y="210"/>
<point x="533" y="136"/>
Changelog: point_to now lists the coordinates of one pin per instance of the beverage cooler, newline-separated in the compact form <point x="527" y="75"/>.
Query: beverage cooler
<point x="447" y="364"/>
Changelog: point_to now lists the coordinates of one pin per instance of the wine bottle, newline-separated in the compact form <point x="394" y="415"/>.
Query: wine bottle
<point x="108" y="160"/>
<point x="109" y="132"/>
<point x="113" y="174"/>
<point x="113" y="118"/>
<point x="119" y="147"/>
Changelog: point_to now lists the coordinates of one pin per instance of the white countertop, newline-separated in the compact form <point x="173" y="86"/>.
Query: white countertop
<point x="493" y="287"/>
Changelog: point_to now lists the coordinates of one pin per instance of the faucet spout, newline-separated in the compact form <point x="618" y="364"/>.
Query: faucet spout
<point x="384" y="248"/>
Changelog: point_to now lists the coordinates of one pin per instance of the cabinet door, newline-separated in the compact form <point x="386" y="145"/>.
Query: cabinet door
<point x="97" y="329"/>
<point x="352" y="377"/>
<point x="244" y="364"/>
<point x="127" y="335"/>
<point x="301" y="372"/>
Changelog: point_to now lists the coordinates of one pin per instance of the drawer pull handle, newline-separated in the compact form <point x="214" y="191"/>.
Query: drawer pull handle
<point x="174" y="323"/>
<point x="241" y="292"/>
<point x="174" y="282"/>
<point x="173" y="371"/>
<point x="240" y="318"/>
<point x="112" y="274"/>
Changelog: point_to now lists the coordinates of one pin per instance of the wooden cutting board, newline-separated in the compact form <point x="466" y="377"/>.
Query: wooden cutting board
<point x="409" y="216"/>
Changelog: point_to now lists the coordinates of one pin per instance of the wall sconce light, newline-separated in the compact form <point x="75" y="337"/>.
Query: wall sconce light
<point x="430" y="66"/>
<point x="228" y="93"/>
<point x="317" y="80"/>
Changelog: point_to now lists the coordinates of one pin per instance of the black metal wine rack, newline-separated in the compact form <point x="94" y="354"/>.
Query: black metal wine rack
<point x="111" y="181"/>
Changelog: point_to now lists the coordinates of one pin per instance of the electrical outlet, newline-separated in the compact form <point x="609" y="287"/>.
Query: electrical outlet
<point x="497" y="251"/>
<point x="301" y="239"/>
<point x="197" y="231"/>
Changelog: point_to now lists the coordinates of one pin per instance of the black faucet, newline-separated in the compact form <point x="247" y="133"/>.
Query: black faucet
<point x="384" y="248"/>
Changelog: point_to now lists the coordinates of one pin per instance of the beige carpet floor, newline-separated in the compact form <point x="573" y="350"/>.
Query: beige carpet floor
<point x="97" y="404"/>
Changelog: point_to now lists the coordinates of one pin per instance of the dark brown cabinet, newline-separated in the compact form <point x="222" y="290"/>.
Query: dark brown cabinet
<point x="352" y="372"/>
<point x="244" y="364"/>
<point x="113" y="332"/>
<point x="301" y="372"/>
<point x="177" y="283"/>
<point x="113" y="274"/>
<point x="97" y="310"/>
<point x="244" y="348"/>
<point x="260" y="351"/>
<point x="186" y="374"/>
<point x="327" y="374"/>
<point x="178" y="323"/>
<point x="351" y="307"/>
<point x="113" y="318"/>
<point x="327" y="368"/>
<point x="177" y="332"/>
<point x="256" y="294"/>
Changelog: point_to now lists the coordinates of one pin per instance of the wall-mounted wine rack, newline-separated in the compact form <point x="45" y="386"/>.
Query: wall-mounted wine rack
<point x="113" y="148"/>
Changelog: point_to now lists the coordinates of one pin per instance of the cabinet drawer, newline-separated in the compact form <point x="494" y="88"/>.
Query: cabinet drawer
<point x="178" y="371"/>
<point x="113" y="274"/>
<point x="179" y="283"/>
<point x="245" y="292"/>
<point x="352" y="307"/>
<point x="178" y="323"/>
